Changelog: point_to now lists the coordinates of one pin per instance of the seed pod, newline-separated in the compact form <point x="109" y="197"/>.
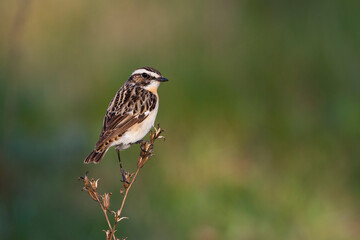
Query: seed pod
<point x="94" y="184"/>
<point x="106" y="200"/>
<point x="92" y="194"/>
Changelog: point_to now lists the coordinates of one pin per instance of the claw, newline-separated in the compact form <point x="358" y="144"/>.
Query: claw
<point x="126" y="177"/>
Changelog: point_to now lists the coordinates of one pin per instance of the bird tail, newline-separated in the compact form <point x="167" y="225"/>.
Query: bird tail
<point x="95" y="157"/>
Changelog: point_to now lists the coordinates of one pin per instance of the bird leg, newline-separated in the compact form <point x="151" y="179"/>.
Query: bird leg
<point x="123" y="173"/>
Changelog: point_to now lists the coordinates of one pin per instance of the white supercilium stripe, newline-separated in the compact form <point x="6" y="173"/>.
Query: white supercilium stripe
<point x="140" y="71"/>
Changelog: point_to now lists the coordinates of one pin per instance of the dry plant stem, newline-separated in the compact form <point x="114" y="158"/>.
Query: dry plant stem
<point x="92" y="185"/>
<point x="123" y="201"/>
<point x="127" y="190"/>
<point x="106" y="216"/>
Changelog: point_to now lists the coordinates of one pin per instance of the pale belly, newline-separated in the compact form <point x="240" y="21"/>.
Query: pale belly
<point x="137" y="132"/>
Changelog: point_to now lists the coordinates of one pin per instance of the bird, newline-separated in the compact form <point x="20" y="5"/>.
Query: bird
<point x="130" y="115"/>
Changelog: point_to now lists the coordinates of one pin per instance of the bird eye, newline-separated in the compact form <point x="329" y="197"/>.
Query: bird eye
<point x="144" y="75"/>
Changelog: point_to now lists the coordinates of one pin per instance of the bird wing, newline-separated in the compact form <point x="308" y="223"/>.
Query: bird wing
<point x="131" y="105"/>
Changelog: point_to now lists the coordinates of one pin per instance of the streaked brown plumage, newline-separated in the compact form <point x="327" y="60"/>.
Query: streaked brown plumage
<point x="130" y="114"/>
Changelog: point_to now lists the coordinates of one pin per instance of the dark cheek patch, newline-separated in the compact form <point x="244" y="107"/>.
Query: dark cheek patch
<point x="140" y="80"/>
<point x="145" y="83"/>
<point x="136" y="78"/>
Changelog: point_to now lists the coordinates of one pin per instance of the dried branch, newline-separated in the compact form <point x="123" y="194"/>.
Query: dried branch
<point x="91" y="186"/>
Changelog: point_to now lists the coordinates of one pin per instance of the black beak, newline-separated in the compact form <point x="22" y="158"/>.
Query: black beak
<point x="162" y="79"/>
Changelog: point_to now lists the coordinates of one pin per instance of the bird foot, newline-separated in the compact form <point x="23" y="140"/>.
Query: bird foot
<point x="125" y="177"/>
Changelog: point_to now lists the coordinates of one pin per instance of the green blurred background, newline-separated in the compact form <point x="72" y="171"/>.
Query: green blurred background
<point x="262" y="113"/>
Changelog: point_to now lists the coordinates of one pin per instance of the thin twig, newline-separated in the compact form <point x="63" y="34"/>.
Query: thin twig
<point x="123" y="201"/>
<point x="106" y="216"/>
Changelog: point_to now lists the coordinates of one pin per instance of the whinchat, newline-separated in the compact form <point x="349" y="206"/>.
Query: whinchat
<point x="131" y="113"/>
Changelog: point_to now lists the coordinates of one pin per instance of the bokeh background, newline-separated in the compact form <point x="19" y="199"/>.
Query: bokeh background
<point x="262" y="113"/>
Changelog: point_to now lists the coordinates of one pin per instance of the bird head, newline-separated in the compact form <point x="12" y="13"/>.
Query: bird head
<point x="147" y="78"/>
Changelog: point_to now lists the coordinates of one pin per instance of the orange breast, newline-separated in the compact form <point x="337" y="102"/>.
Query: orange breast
<point x="153" y="89"/>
